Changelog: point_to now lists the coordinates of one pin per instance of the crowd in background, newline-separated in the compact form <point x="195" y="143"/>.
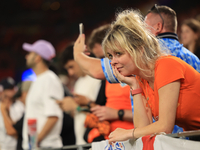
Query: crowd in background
<point x="85" y="109"/>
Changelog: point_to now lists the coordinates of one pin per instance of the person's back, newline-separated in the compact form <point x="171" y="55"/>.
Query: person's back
<point x="162" y="22"/>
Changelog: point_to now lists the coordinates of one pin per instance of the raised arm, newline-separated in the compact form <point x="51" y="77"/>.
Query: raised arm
<point x="90" y="66"/>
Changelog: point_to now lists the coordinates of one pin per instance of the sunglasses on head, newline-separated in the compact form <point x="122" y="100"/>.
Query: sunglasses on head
<point x="156" y="8"/>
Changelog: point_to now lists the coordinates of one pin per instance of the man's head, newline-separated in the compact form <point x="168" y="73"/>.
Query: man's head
<point x="95" y="40"/>
<point x="40" y="51"/>
<point x="7" y="88"/>
<point x="68" y="62"/>
<point x="161" y="19"/>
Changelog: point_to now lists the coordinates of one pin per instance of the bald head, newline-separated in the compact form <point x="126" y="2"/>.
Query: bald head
<point x="155" y="22"/>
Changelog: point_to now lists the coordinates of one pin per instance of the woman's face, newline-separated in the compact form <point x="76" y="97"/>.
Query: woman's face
<point x="188" y="36"/>
<point x="122" y="61"/>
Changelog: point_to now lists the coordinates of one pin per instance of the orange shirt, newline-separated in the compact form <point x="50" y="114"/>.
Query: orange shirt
<point x="167" y="70"/>
<point x="118" y="97"/>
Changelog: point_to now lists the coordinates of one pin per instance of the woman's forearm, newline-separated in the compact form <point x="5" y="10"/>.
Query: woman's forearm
<point x="141" y="116"/>
<point x="90" y="66"/>
<point x="10" y="130"/>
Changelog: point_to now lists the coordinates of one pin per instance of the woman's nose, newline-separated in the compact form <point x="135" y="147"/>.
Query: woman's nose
<point x="113" y="61"/>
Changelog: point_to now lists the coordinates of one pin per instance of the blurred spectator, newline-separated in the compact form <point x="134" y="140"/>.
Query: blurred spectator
<point x="40" y="101"/>
<point x="11" y="112"/>
<point x="86" y="89"/>
<point x="190" y="35"/>
<point x="198" y="17"/>
<point x="18" y="126"/>
<point x="162" y="22"/>
<point x="118" y="106"/>
<point x="13" y="127"/>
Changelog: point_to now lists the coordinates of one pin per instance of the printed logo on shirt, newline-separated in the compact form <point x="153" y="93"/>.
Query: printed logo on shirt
<point x="115" y="146"/>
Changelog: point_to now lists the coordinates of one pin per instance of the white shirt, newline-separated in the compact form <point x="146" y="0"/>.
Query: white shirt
<point x="88" y="87"/>
<point x="8" y="142"/>
<point x="16" y="110"/>
<point x="40" y="105"/>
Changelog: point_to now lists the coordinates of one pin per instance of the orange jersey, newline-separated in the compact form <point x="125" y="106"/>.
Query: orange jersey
<point x="118" y="97"/>
<point x="167" y="70"/>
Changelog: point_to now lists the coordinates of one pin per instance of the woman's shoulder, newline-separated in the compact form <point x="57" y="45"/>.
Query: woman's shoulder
<point x="169" y="60"/>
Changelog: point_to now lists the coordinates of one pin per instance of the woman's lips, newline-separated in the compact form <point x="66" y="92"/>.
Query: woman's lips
<point x="119" y="68"/>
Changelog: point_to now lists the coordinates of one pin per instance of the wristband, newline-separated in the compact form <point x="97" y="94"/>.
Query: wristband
<point x="137" y="91"/>
<point x="78" y="108"/>
<point x="89" y="103"/>
<point x="134" y="139"/>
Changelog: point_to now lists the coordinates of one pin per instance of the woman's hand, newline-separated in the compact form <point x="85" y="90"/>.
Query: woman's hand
<point x="120" y="135"/>
<point x="130" y="80"/>
<point x="79" y="45"/>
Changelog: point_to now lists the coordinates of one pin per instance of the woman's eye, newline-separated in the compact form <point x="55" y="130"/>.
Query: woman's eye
<point x="118" y="53"/>
<point x="110" y="57"/>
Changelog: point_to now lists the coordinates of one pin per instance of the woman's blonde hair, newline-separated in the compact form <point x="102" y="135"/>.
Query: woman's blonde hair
<point x="130" y="33"/>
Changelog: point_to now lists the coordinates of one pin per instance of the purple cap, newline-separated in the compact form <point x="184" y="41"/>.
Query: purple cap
<point x="43" y="48"/>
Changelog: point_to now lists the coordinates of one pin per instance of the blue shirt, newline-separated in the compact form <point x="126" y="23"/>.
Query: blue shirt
<point x="177" y="49"/>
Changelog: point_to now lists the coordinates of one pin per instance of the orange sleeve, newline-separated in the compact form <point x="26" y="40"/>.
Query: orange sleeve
<point x="167" y="70"/>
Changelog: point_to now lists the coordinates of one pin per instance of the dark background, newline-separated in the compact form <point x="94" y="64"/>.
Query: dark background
<point x="57" y="21"/>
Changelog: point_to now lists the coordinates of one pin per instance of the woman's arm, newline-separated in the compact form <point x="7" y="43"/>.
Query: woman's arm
<point x="142" y="115"/>
<point x="168" y="101"/>
<point x="10" y="130"/>
<point x="90" y="66"/>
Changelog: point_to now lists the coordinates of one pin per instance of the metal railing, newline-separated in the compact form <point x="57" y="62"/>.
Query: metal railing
<point x="184" y="135"/>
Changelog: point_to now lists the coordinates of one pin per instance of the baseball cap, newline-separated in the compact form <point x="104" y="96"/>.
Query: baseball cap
<point x="7" y="83"/>
<point x="42" y="47"/>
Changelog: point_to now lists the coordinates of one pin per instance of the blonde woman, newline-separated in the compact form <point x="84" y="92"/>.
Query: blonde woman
<point x="163" y="86"/>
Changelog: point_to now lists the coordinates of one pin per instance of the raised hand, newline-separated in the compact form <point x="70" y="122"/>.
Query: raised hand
<point x="79" y="45"/>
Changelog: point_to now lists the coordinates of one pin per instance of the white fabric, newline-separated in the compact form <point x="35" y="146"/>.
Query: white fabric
<point x="16" y="110"/>
<point x="8" y="142"/>
<point x="40" y="105"/>
<point x="165" y="143"/>
<point x="88" y="87"/>
<point x="161" y="142"/>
